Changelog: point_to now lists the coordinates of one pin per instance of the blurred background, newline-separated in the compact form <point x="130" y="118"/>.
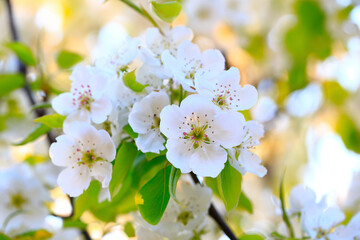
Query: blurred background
<point x="302" y="55"/>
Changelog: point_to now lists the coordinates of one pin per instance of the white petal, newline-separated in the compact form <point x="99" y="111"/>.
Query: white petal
<point x="83" y="132"/>
<point x="248" y="96"/>
<point x="74" y="181"/>
<point x="180" y="34"/>
<point x="208" y="161"/>
<point x="178" y="154"/>
<point x="148" y="57"/>
<point x="330" y="218"/>
<point x="300" y="196"/>
<point x="251" y="163"/>
<point x="63" y="104"/>
<point x="102" y="171"/>
<point x="61" y="151"/>
<point x="213" y="60"/>
<point x="170" y="121"/>
<point x="81" y="115"/>
<point x="150" y="142"/>
<point x="188" y="50"/>
<point x="100" y="109"/>
<point x="105" y="148"/>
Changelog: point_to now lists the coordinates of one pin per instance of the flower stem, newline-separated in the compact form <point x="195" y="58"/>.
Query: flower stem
<point x="213" y="212"/>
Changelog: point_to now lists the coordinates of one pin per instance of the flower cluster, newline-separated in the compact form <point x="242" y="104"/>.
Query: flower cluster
<point x="175" y="97"/>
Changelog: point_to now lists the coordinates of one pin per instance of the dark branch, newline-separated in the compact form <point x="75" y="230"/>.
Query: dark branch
<point x="216" y="216"/>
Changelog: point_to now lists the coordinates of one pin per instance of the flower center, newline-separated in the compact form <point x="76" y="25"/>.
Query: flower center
<point x="156" y="122"/>
<point x="184" y="217"/>
<point x="221" y="99"/>
<point x="88" y="158"/>
<point x="18" y="201"/>
<point x="197" y="135"/>
<point x="83" y="97"/>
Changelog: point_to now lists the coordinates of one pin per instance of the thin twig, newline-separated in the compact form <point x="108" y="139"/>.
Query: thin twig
<point x="216" y="215"/>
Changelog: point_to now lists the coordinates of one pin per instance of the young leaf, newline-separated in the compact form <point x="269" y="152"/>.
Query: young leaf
<point x="130" y="131"/>
<point x="229" y="184"/>
<point x="4" y="237"/>
<point x="40" y="130"/>
<point x="129" y="229"/>
<point x="245" y="203"/>
<point x="40" y="234"/>
<point x="167" y="11"/>
<point x="124" y="160"/>
<point x="85" y="200"/>
<point x="174" y="177"/>
<point x="66" y="59"/>
<point x="154" y="196"/>
<point x="349" y="133"/>
<point x="69" y="223"/>
<point x="23" y="52"/>
<point x="10" y="82"/>
<point x="130" y="81"/>
<point x="251" y="237"/>
<point x="52" y="121"/>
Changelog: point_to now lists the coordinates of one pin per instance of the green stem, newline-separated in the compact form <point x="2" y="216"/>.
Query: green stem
<point x="181" y="94"/>
<point x="284" y="214"/>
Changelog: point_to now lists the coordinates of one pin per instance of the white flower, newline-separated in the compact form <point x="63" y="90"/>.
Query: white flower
<point x="301" y="196"/>
<point x="197" y="133"/>
<point x="24" y="197"/>
<point x="157" y="43"/>
<point x="227" y="93"/>
<point x="144" y="119"/>
<point x="145" y="77"/>
<point x="317" y="220"/>
<point x="349" y="232"/>
<point x="180" y="221"/>
<point x="191" y="66"/>
<point x="85" y="152"/>
<point x="244" y="160"/>
<point x="87" y="100"/>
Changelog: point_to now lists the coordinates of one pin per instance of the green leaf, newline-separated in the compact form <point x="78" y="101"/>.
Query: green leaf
<point x="69" y="223"/>
<point x="129" y="229"/>
<point x="85" y="200"/>
<point x="127" y="128"/>
<point x="229" y="184"/>
<point x="334" y="92"/>
<point x="130" y="81"/>
<point x="154" y="196"/>
<point x="35" y="159"/>
<point x="52" y="121"/>
<point x="4" y="237"/>
<point x="41" y="105"/>
<point x="348" y="131"/>
<point x="284" y="214"/>
<point x="245" y="203"/>
<point x="40" y="234"/>
<point x="277" y="235"/>
<point x="66" y="59"/>
<point x="149" y="155"/>
<point x="124" y="160"/>
<point x="251" y="237"/>
<point x="10" y="82"/>
<point x="40" y="130"/>
<point x="174" y="177"/>
<point x="167" y="11"/>
<point x="23" y="52"/>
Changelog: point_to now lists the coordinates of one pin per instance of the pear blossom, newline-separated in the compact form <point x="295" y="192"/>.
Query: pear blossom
<point x="22" y="202"/>
<point x="317" y="220"/>
<point x="87" y="99"/>
<point x="349" y="232"/>
<point x="184" y="220"/>
<point x="191" y="67"/>
<point x="157" y="43"/>
<point x="197" y="134"/>
<point x="244" y="160"/>
<point x="144" y="119"/>
<point x="301" y="196"/>
<point x="85" y="152"/>
<point x="227" y="93"/>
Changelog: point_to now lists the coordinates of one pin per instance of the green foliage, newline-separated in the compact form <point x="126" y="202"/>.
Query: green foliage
<point x="245" y="203"/>
<point x="52" y="121"/>
<point x="10" y="82"/>
<point x="167" y="11"/>
<point x="283" y="209"/>
<point x="127" y="128"/>
<point x="343" y="14"/>
<point x="154" y="196"/>
<point x="130" y="81"/>
<point x="334" y="92"/>
<point x="85" y="200"/>
<point x="229" y="185"/>
<point x="349" y="132"/>
<point x="40" y="130"/>
<point x="35" y="159"/>
<point x="123" y="162"/>
<point x="40" y="234"/>
<point x="251" y="237"/>
<point x="66" y="59"/>
<point x="4" y="237"/>
<point x="256" y="47"/>
<point x="129" y="229"/>
<point x="23" y="52"/>
<point x="174" y="177"/>
<point x="308" y="37"/>
<point x="70" y="223"/>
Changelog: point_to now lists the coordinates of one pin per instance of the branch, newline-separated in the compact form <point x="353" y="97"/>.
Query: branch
<point x="216" y="215"/>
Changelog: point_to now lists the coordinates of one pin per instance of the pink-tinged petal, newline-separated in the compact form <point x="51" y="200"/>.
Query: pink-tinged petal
<point x="150" y="142"/>
<point x="100" y="109"/>
<point x="63" y="104"/>
<point x="208" y="161"/>
<point x="74" y="181"/>
<point x="178" y="154"/>
<point x="63" y="152"/>
<point x="228" y="129"/>
<point x="170" y="121"/>
<point x="251" y="163"/>
<point x="105" y="148"/>
<point x="102" y="171"/>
